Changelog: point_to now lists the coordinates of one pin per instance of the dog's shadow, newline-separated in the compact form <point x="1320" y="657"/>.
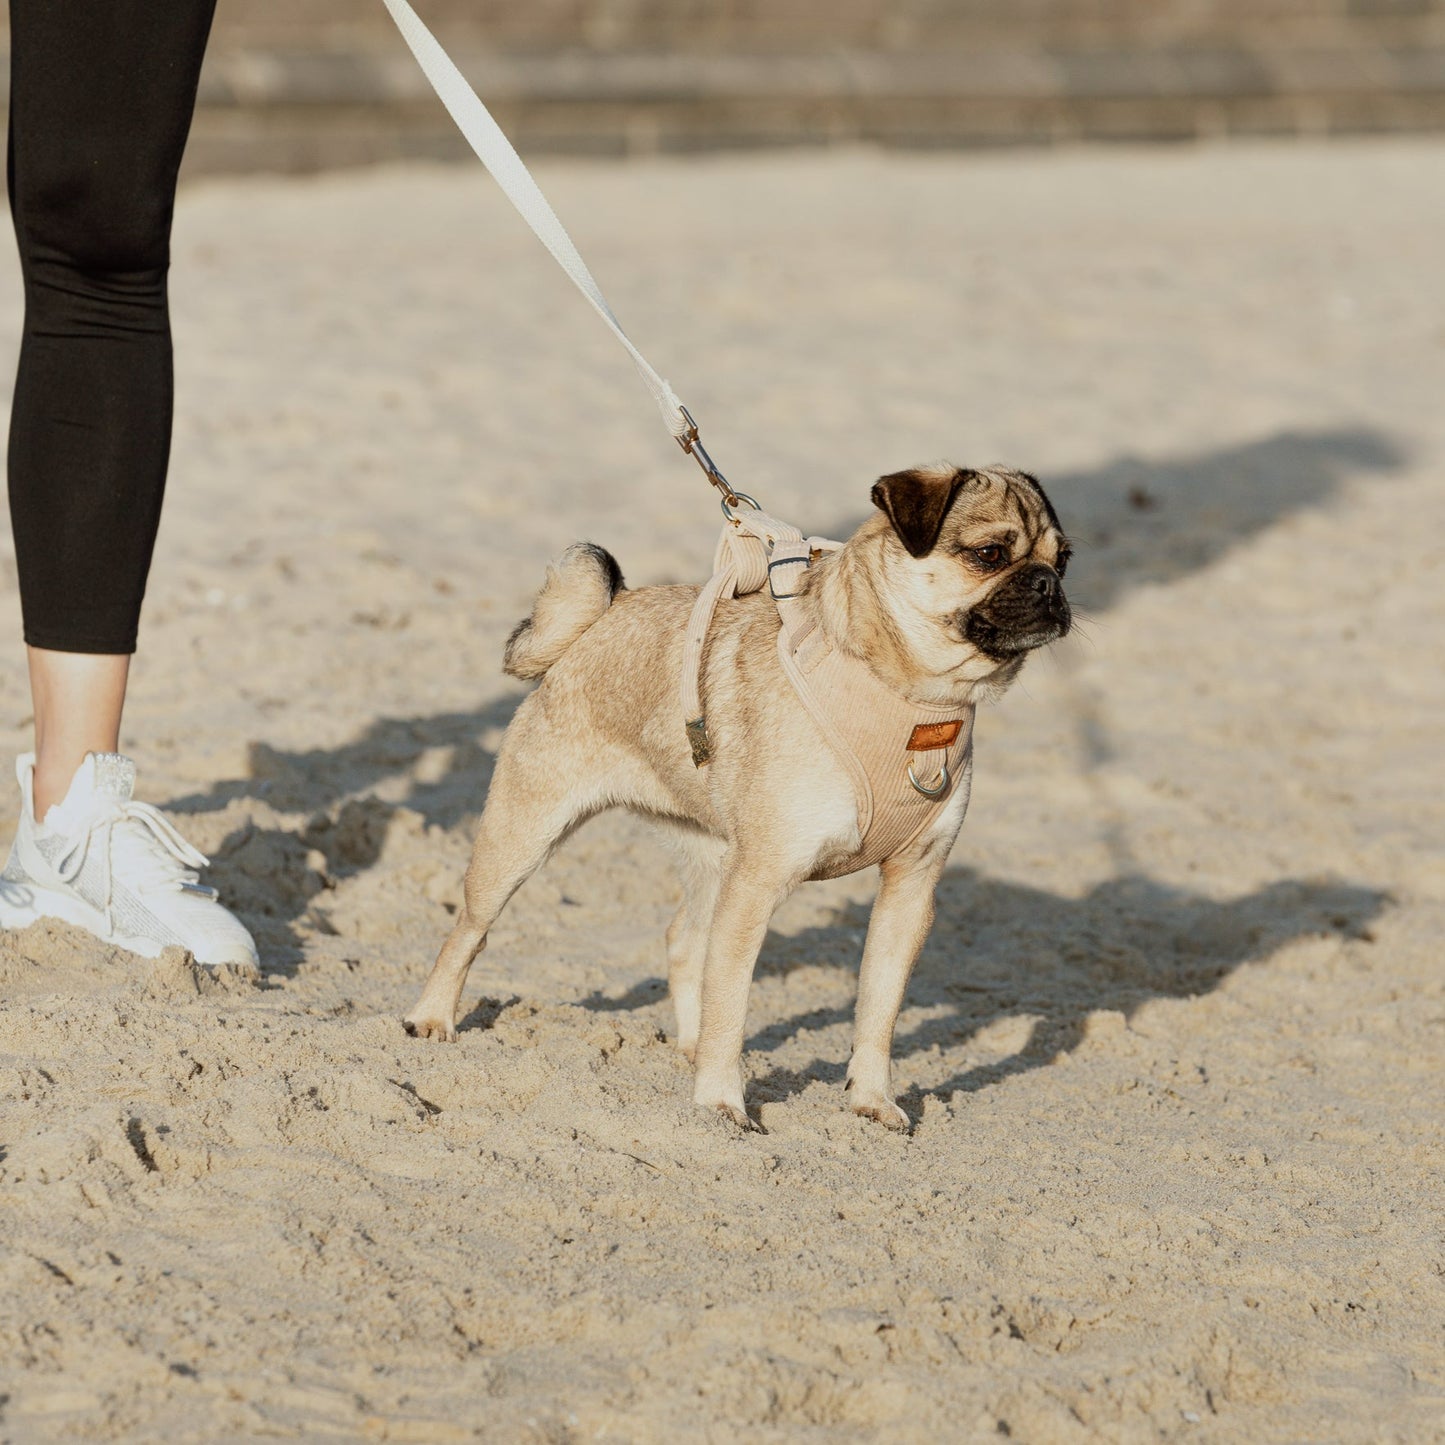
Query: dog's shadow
<point x="1003" y="950"/>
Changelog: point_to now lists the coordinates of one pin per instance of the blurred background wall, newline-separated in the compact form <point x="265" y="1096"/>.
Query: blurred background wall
<point x="306" y="84"/>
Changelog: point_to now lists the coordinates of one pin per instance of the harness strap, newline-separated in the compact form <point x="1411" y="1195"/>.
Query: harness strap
<point x="740" y="566"/>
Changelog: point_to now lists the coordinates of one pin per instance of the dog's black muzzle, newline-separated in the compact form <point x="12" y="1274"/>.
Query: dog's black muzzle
<point x="1028" y="611"/>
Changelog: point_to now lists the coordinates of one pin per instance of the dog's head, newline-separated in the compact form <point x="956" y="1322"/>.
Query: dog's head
<point x="970" y="568"/>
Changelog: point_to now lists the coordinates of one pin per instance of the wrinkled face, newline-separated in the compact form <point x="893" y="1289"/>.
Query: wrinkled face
<point x="985" y="562"/>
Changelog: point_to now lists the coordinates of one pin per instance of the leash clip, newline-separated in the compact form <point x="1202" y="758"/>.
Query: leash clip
<point x="691" y="443"/>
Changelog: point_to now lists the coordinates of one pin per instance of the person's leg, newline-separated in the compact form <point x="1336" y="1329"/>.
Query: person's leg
<point x="78" y="697"/>
<point x="101" y="98"/>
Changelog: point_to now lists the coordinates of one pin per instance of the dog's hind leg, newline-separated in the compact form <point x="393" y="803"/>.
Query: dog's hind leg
<point x="539" y="794"/>
<point x="902" y="915"/>
<point x="688" y="933"/>
<point x="747" y="896"/>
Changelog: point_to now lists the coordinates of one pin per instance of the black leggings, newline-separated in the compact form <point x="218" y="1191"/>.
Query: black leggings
<point x="101" y="96"/>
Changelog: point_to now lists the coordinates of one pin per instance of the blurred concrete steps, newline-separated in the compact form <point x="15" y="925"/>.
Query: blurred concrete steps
<point x="316" y="109"/>
<point x="319" y="83"/>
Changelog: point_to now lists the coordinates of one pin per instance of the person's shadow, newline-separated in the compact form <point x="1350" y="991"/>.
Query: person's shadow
<point x="1137" y="522"/>
<point x="266" y="873"/>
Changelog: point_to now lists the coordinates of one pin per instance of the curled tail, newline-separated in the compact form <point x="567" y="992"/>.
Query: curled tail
<point x="578" y="590"/>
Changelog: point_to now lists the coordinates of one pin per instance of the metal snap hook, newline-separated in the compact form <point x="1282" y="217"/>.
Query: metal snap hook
<point x="943" y="781"/>
<point x="691" y="443"/>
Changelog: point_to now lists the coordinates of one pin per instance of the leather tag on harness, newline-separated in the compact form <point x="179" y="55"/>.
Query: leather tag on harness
<point x="928" y="736"/>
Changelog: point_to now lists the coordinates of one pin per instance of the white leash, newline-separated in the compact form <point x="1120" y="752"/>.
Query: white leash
<point x="496" y="152"/>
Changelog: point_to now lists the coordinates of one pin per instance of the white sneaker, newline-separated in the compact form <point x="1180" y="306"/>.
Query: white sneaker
<point x="115" y="867"/>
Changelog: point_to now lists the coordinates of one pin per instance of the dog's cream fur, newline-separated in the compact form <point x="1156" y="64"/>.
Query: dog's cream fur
<point x="943" y="593"/>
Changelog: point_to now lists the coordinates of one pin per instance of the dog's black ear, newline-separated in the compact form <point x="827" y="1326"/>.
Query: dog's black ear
<point x="917" y="501"/>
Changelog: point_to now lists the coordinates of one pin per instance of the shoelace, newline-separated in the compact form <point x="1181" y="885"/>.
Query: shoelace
<point x="171" y="863"/>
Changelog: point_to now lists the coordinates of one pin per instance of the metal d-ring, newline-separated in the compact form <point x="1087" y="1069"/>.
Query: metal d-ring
<point x="727" y="510"/>
<point x="943" y="781"/>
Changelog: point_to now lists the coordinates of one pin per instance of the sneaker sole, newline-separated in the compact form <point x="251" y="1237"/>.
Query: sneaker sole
<point x="22" y="904"/>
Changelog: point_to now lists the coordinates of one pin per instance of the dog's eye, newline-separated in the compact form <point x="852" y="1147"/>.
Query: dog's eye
<point x="1062" y="564"/>
<point x="990" y="556"/>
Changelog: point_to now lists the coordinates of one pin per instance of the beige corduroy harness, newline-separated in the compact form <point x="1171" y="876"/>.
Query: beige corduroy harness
<point x="904" y="759"/>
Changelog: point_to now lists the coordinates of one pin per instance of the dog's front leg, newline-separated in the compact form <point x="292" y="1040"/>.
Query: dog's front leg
<point x="746" y="899"/>
<point x="434" y="1015"/>
<point x="902" y="916"/>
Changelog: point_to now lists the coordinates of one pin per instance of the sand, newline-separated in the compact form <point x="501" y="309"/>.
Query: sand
<point x="1174" y="1049"/>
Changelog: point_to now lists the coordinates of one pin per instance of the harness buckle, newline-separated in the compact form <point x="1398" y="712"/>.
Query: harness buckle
<point x="803" y="562"/>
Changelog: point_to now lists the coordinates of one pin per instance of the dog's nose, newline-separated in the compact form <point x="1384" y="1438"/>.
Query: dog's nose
<point x="1045" y="583"/>
<point x="1042" y="584"/>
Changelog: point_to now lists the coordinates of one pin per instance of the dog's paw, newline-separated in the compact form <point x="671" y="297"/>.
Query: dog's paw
<point x="421" y="1027"/>
<point x="727" y="1101"/>
<point x="885" y="1111"/>
<point x="736" y="1114"/>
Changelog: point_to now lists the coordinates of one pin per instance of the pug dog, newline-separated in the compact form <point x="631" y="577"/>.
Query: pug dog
<point x="944" y="592"/>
